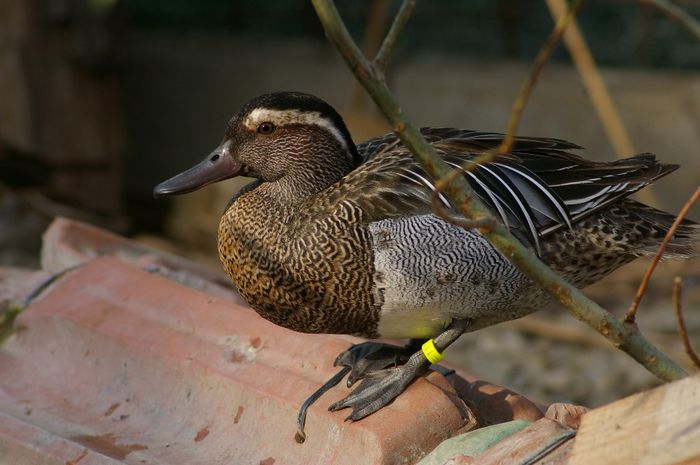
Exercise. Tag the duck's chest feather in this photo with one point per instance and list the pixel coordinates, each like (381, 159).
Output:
(298, 271)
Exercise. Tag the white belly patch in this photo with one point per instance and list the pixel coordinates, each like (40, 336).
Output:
(429, 272)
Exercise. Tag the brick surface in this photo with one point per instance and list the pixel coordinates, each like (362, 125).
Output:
(114, 364)
(22, 443)
(17, 283)
(67, 243)
(138, 369)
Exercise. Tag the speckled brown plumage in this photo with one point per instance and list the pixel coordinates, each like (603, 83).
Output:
(299, 272)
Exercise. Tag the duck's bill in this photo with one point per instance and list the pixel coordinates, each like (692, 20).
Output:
(216, 167)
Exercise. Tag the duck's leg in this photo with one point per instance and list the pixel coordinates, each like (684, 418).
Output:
(360, 360)
(380, 387)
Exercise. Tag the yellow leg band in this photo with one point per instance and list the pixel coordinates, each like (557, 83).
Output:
(431, 353)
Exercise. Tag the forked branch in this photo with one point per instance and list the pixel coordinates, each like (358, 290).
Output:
(624, 336)
(382, 58)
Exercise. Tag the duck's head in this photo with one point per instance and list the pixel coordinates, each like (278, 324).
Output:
(289, 138)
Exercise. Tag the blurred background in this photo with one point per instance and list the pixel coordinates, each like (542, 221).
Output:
(102, 99)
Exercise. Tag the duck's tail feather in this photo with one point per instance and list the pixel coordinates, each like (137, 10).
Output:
(685, 242)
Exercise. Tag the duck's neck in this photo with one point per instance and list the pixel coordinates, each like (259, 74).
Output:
(304, 183)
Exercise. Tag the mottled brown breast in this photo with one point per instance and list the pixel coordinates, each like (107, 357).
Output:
(305, 273)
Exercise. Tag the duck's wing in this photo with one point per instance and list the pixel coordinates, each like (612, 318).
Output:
(536, 189)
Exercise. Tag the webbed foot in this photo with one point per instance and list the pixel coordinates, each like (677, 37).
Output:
(381, 383)
(361, 360)
(378, 388)
(369, 357)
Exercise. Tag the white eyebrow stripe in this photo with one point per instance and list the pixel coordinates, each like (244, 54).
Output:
(285, 117)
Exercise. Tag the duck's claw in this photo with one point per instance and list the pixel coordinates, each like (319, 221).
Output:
(300, 436)
(369, 357)
(379, 388)
(360, 360)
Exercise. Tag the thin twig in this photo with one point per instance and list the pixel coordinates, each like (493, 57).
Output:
(594, 84)
(467, 166)
(523, 95)
(678, 14)
(518, 106)
(483, 224)
(377, 17)
(554, 330)
(380, 61)
(632, 311)
(535, 70)
(598, 92)
(682, 331)
(626, 337)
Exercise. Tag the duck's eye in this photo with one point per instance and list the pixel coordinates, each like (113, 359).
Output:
(266, 128)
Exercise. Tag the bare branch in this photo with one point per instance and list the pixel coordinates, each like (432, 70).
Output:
(523, 95)
(682, 331)
(535, 70)
(594, 84)
(678, 14)
(380, 61)
(632, 311)
(598, 93)
(377, 19)
(470, 165)
(483, 224)
(625, 336)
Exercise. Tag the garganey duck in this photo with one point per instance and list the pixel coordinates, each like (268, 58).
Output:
(333, 237)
